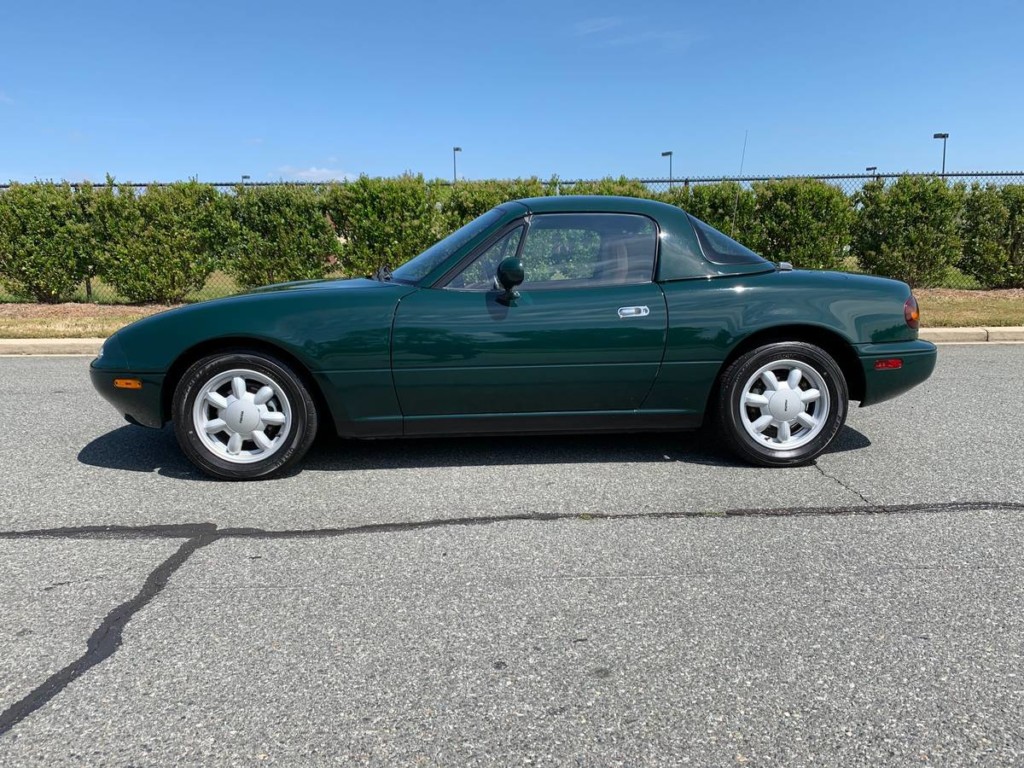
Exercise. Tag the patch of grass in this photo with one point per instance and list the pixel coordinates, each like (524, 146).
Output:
(68, 321)
(949, 308)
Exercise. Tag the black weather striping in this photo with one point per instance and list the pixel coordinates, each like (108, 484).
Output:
(106, 639)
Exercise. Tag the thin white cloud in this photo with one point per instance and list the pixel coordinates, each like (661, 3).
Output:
(255, 141)
(596, 25)
(616, 32)
(313, 173)
(669, 37)
(5, 99)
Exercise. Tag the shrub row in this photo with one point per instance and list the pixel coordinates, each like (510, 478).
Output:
(162, 243)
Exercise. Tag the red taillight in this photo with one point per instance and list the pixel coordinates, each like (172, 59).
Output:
(912, 313)
(889, 364)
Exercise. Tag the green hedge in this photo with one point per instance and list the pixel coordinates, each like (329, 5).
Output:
(992, 232)
(163, 243)
(462, 203)
(44, 241)
(803, 221)
(385, 221)
(279, 233)
(160, 245)
(908, 230)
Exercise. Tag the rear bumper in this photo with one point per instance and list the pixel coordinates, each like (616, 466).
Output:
(139, 406)
(918, 363)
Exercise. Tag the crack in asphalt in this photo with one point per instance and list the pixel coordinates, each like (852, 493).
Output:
(211, 531)
(105, 640)
(848, 487)
(107, 637)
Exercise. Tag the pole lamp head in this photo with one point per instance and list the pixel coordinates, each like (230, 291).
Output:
(940, 136)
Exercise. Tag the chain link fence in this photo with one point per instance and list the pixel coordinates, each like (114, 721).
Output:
(849, 183)
(676, 190)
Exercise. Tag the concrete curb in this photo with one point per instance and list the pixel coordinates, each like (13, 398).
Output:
(959, 335)
(92, 346)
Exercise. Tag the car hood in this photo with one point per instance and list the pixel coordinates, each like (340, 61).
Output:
(319, 285)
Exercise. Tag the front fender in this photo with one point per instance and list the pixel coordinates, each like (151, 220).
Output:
(342, 338)
(326, 330)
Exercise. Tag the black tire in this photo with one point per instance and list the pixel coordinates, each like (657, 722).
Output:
(287, 442)
(832, 409)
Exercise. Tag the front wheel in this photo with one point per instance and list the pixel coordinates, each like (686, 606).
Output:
(243, 415)
(781, 405)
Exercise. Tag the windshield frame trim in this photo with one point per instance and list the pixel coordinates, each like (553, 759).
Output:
(467, 260)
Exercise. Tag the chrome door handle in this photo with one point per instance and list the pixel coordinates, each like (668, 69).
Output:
(634, 311)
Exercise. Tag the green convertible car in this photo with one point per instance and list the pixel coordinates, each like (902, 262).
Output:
(547, 315)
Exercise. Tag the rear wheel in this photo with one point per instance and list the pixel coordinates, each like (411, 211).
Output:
(243, 415)
(782, 404)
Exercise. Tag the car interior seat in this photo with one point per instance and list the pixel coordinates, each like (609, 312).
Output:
(613, 267)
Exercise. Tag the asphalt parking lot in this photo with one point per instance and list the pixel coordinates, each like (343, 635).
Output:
(596, 601)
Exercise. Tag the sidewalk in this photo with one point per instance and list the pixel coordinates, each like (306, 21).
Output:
(92, 346)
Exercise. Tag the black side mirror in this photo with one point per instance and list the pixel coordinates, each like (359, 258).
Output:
(510, 274)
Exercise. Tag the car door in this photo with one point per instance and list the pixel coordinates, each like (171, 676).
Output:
(584, 337)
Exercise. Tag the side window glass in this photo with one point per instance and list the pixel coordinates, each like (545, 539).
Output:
(564, 250)
(479, 275)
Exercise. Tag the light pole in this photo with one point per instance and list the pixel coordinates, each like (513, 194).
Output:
(668, 154)
(942, 136)
(455, 167)
(872, 169)
(245, 178)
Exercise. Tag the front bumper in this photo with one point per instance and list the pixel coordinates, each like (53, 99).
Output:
(142, 406)
(918, 363)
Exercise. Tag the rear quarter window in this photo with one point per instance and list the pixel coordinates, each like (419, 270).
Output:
(722, 249)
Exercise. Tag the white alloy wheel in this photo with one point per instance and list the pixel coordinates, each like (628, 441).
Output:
(242, 416)
(784, 405)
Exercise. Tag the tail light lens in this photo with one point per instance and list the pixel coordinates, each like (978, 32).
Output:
(912, 313)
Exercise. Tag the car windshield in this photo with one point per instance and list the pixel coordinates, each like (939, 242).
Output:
(416, 269)
(722, 249)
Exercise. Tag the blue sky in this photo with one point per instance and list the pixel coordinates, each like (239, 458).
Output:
(316, 89)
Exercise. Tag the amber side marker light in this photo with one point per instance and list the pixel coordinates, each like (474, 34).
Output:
(128, 383)
(889, 364)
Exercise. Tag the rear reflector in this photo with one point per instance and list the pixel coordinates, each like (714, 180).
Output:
(128, 383)
(889, 364)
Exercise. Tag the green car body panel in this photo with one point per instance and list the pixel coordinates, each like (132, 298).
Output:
(391, 359)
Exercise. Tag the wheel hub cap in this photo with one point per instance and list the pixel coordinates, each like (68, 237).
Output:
(786, 405)
(242, 416)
